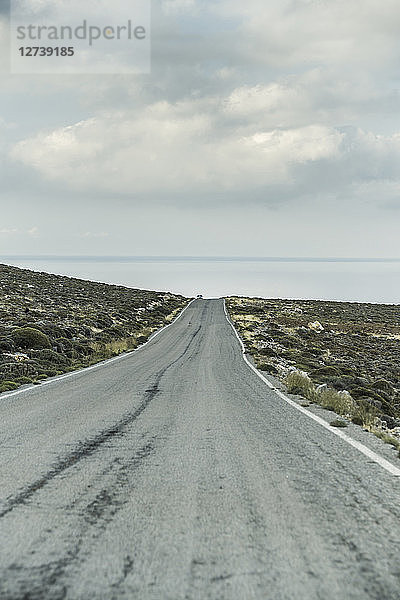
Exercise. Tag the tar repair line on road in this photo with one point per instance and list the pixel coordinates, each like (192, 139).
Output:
(385, 464)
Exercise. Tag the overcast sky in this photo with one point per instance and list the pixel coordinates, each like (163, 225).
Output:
(266, 127)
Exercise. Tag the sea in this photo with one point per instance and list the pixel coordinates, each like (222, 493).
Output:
(343, 279)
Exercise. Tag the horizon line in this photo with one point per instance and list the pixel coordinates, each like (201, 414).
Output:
(160, 258)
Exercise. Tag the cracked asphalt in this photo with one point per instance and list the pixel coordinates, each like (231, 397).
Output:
(175, 473)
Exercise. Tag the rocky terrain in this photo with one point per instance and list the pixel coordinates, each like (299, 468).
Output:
(344, 350)
(50, 324)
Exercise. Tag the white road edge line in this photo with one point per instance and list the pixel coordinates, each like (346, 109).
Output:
(97, 365)
(385, 464)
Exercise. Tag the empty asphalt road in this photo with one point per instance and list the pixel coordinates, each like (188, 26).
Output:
(175, 473)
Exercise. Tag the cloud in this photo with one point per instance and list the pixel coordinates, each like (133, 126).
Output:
(212, 145)
(172, 148)
(288, 104)
(287, 32)
(261, 99)
(315, 96)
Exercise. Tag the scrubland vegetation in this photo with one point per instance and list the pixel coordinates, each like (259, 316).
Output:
(50, 324)
(343, 356)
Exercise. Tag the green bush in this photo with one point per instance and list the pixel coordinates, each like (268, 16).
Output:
(338, 423)
(267, 367)
(49, 357)
(361, 392)
(29, 337)
(326, 370)
(21, 380)
(51, 372)
(267, 352)
(305, 365)
(388, 439)
(8, 386)
(6, 345)
(347, 371)
(365, 413)
(384, 386)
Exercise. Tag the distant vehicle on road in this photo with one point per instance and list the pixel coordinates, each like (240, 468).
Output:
(199, 295)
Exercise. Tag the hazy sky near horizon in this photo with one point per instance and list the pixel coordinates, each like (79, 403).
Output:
(268, 128)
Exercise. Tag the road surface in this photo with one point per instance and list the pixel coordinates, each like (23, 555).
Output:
(175, 473)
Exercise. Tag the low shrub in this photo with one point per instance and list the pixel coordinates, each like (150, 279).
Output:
(338, 423)
(8, 386)
(388, 439)
(6, 345)
(267, 352)
(51, 372)
(298, 382)
(383, 386)
(326, 370)
(47, 356)
(267, 367)
(362, 392)
(364, 413)
(347, 371)
(330, 399)
(22, 380)
(306, 365)
(342, 403)
(29, 337)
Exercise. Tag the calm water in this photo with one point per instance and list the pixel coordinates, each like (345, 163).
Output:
(345, 279)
